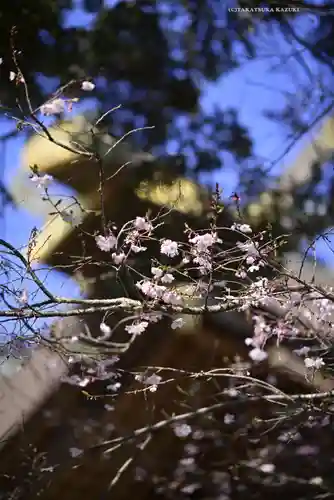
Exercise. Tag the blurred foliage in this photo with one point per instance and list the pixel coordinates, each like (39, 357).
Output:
(150, 57)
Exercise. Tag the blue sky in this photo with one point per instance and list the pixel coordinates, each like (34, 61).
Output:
(252, 89)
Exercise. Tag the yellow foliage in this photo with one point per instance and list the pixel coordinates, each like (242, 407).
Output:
(182, 195)
(49, 156)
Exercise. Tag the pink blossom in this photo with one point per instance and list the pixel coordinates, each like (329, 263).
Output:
(150, 289)
(142, 224)
(267, 468)
(106, 243)
(204, 241)
(73, 219)
(170, 248)
(157, 272)
(167, 278)
(171, 297)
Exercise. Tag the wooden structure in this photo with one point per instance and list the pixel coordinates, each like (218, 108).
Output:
(54, 454)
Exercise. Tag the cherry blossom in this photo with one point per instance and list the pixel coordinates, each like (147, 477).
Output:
(177, 323)
(87, 86)
(53, 107)
(169, 248)
(41, 181)
(267, 468)
(172, 297)
(157, 272)
(71, 218)
(142, 224)
(118, 258)
(106, 243)
(138, 249)
(258, 354)
(243, 228)
(137, 328)
(182, 430)
(167, 278)
(151, 289)
(204, 241)
(315, 363)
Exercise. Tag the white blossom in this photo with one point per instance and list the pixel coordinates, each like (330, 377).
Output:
(12, 76)
(157, 272)
(73, 219)
(317, 480)
(204, 241)
(138, 249)
(250, 248)
(53, 107)
(315, 363)
(153, 317)
(118, 258)
(106, 243)
(173, 298)
(167, 278)
(258, 354)
(170, 248)
(137, 328)
(114, 387)
(142, 224)
(243, 228)
(254, 268)
(84, 382)
(177, 323)
(151, 290)
(87, 86)
(241, 274)
(267, 468)
(182, 430)
(41, 181)
(204, 262)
